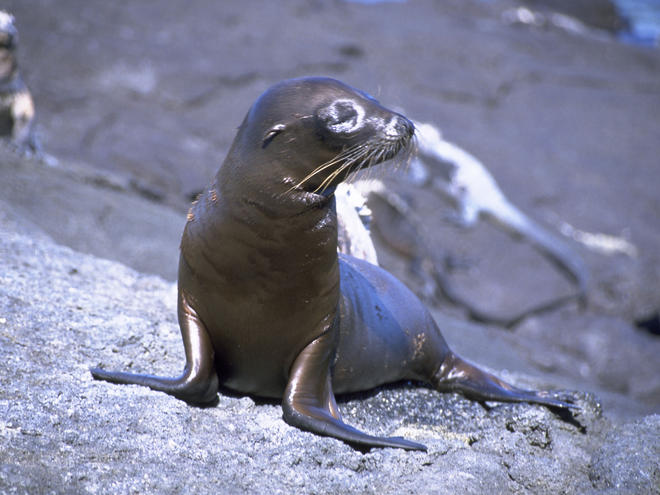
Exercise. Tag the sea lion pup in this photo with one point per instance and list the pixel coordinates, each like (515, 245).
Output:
(16, 105)
(266, 305)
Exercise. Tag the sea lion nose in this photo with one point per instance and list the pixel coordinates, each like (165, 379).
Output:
(403, 126)
(400, 127)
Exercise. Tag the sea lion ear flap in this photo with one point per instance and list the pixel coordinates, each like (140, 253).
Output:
(271, 133)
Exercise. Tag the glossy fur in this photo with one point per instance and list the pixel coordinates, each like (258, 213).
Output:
(266, 305)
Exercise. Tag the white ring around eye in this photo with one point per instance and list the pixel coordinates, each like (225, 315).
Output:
(348, 125)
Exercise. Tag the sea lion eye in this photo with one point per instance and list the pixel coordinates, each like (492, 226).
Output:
(271, 133)
(342, 116)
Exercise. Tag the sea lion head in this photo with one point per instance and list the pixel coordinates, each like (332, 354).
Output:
(314, 132)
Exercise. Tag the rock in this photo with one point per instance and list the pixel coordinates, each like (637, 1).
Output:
(601, 14)
(622, 465)
(91, 211)
(596, 352)
(62, 311)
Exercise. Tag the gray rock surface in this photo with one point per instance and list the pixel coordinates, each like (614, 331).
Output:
(91, 211)
(139, 102)
(622, 465)
(61, 432)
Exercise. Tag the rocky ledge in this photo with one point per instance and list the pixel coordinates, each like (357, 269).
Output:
(62, 311)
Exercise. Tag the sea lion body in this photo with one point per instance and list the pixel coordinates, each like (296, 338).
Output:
(267, 307)
(386, 334)
(260, 313)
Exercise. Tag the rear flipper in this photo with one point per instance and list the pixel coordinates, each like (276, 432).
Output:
(309, 402)
(458, 375)
(198, 384)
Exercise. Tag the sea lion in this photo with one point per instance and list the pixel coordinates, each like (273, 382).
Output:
(267, 307)
(16, 105)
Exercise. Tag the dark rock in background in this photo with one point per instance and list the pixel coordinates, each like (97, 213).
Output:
(91, 211)
(601, 14)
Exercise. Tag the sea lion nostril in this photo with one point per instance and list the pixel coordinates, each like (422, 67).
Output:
(403, 126)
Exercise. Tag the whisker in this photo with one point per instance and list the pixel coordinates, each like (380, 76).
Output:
(350, 161)
(356, 161)
(326, 182)
(343, 155)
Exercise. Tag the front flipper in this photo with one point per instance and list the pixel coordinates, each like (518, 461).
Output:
(198, 384)
(457, 375)
(309, 402)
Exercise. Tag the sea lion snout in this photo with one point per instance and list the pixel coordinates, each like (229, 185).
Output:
(399, 127)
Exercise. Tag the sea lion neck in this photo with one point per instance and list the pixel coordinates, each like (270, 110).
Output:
(281, 220)
(268, 240)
